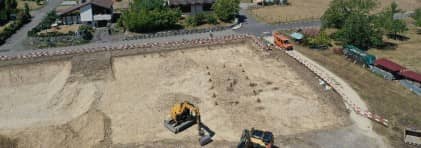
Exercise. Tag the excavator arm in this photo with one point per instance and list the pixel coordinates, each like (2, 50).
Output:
(184, 115)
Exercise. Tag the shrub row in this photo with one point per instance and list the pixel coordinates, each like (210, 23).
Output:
(202, 18)
(177, 32)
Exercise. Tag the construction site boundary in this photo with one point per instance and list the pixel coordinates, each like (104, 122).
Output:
(127, 49)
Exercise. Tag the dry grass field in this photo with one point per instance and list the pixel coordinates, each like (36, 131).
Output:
(62, 29)
(387, 98)
(122, 4)
(406, 53)
(309, 9)
(32, 4)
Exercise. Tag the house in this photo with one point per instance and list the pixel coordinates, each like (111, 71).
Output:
(97, 13)
(192, 6)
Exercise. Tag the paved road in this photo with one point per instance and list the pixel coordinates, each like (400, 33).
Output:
(15, 42)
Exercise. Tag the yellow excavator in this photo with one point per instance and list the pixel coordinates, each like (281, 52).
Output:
(256, 139)
(184, 115)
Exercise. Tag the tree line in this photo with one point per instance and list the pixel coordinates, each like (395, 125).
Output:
(359, 26)
(155, 15)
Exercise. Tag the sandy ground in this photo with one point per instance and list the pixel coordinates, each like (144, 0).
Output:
(45, 105)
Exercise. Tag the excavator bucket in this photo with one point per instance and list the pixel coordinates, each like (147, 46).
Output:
(205, 140)
(170, 125)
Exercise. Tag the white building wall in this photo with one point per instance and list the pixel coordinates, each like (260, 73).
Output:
(86, 14)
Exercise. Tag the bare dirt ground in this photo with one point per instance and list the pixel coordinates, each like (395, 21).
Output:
(64, 104)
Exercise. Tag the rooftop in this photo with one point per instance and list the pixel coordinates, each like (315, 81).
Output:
(389, 65)
(100, 3)
(411, 75)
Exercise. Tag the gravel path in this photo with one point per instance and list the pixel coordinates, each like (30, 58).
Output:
(363, 123)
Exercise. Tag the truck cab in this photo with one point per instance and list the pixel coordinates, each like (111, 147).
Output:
(282, 41)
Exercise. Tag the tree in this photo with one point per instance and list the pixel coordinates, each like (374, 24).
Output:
(11, 4)
(398, 26)
(86, 32)
(149, 15)
(387, 23)
(340, 10)
(226, 10)
(26, 13)
(360, 32)
(417, 17)
(394, 7)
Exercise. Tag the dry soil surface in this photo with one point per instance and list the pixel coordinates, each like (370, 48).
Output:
(235, 86)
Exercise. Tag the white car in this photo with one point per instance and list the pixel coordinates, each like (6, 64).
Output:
(237, 26)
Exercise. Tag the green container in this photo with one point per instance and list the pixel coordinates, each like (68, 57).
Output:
(359, 55)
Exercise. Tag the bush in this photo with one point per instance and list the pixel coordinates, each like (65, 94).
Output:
(86, 32)
(319, 40)
(11, 29)
(201, 18)
(191, 21)
(211, 19)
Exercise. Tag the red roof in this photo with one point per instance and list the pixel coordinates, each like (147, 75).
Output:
(388, 65)
(408, 74)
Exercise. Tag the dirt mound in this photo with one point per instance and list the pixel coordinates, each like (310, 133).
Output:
(91, 129)
(39, 94)
(6, 142)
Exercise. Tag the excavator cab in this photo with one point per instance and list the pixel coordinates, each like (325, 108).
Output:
(184, 115)
(282, 41)
(256, 139)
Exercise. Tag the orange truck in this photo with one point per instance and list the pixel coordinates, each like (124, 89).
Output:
(282, 41)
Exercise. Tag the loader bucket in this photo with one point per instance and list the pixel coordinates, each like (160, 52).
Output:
(205, 140)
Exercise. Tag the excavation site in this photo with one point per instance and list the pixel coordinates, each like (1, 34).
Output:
(103, 99)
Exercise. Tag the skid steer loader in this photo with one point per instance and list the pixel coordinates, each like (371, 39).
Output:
(184, 115)
(256, 139)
